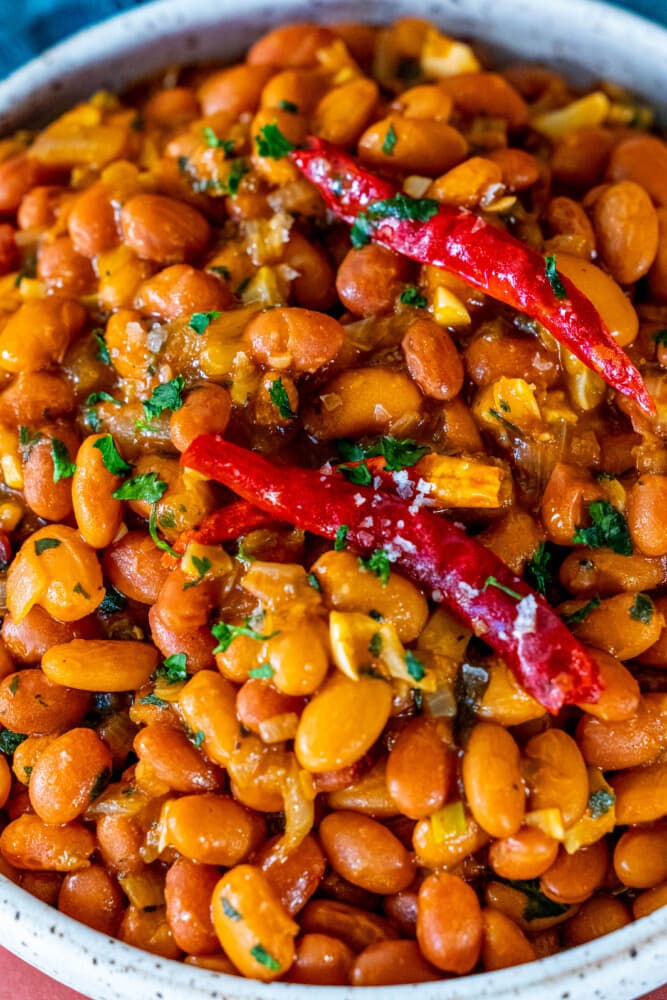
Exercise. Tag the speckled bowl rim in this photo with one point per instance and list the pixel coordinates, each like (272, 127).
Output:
(584, 38)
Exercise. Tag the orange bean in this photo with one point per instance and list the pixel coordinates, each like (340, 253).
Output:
(490, 356)
(432, 359)
(574, 877)
(646, 502)
(211, 828)
(451, 851)
(615, 309)
(133, 565)
(41, 206)
(170, 108)
(520, 169)
(649, 901)
(179, 619)
(321, 960)
(476, 181)
(343, 112)
(356, 927)
(30, 638)
(42, 885)
(296, 875)
(628, 743)
(640, 856)
(92, 897)
(251, 924)
(525, 855)
(49, 499)
(62, 269)
(359, 790)
(98, 515)
(302, 87)
(188, 890)
(571, 227)
(485, 94)
(149, 930)
(603, 572)
(17, 175)
(100, 664)
(208, 704)
(370, 279)
(626, 227)
(31, 703)
(581, 156)
(365, 401)
(420, 769)
(492, 780)
(424, 101)
(624, 625)
(643, 159)
(72, 771)
(389, 963)
(120, 839)
(257, 700)
(39, 333)
(92, 221)
(449, 923)
(290, 45)
(422, 146)
(163, 229)
(5, 782)
(505, 944)
(313, 287)
(641, 794)
(294, 339)
(181, 290)
(565, 499)
(366, 853)
(556, 774)
(35, 396)
(599, 915)
(28, 842)
(176, 761)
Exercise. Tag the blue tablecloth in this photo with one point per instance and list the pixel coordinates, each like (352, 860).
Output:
(28, 26)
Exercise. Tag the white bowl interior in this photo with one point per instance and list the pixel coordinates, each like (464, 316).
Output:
(586, 40)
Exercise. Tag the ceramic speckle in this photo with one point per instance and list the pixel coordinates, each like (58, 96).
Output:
(585, 39)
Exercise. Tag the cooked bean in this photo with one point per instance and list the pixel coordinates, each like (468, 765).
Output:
(640, 856)
(628, 743)
(251, 924)
(181, 290)
(100, 664)
(556, 774)
(422, 146)
(321, 960)
(163, 229)
(574, 877)
(39, 333)
(72, 771)
(641, 794)
(646, 501)
(98, 515)
(525, 855)
(649, 901)
(625, 625)
(149, 930)
(295, 876)
(93, 897)
(28, 842)
(356, 927)
(492, 780)
(504, 944)
(188, 890)
(344, 112)
(389, 963)
(176, 761)
(366, 853)
(642, 159)
(620, 696)
(449, 923)
(29, 639)
(626, 227)
(450, 851)
(599, 915)
(370, 279)
(420, 770)
(210, 828)
(485, 94)
(208, 704)
(603, 572)
(294, 339)
(32, 703)
(615, 309)
(432, 359)
(134, 566)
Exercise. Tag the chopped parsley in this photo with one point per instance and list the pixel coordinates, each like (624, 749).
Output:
(414, 665)
(507, 424)
(202, 565)
(160, 542)
(359, 474)
(582, 614)
(554, 277)
(261, 955)
(200, 321)
(229, 910)
(537, 570)
(642, 609)
(660, 338)
(29, 270)
(225, 634)
(102, 397)
(375, 615)
(314, 582)
(272, 143)
(199, 738)
(399, 206)
(174, 669)
(27, 439)
(390, 140)
(100, 783)
(9, 741)
(102, 349)
(378, 564)
(221, 270)
(264, 672)
(289, 106)
(113, 601)
(411, 296)
(491, 581)
(44, 544)
(340, 541)
(600, 802)
(79, 589)
(280, 399)
(152, 699)
(375, 645)
(238, 170)
(113, 462)
(537, 904)
(14, 684)
(608, 530)
(398, 454)
(167, 396)
(63, 468)
(212, 140)
(148, 487)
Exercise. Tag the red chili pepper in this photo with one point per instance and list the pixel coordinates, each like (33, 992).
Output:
(456, 570)
(485, 256)
(225, 525)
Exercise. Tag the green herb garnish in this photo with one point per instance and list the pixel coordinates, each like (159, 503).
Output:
(212, 140)
(314, 582)
(9, 741)
(113, 601)
(272, 143)
(202, 565)
(375, 645)
(289, 106)
(537, 570)
(148, 487)
(554, 277)
(378, 564)
(111, 457)
(225, 634)
(100, 783)
(415, 667)
(79, 589)
(491, 581)
(200, 321)
(102, 349)
(600, 802)
(280, 399)
(261, 955)
(582, 613)
(390, 140)
(44, 544)
(608, 530)
(160, 542)
(167, 396)
(264, 672)
(340, 541)
(359, 474)
(63, 468)
(174, 669)
(152, 699)
(399, 206)
(537, 904)
(411, 296)
(229, 910)
(398, 454)
(642, 609)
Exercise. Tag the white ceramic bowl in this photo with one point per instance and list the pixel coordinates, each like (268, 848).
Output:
(586, 40)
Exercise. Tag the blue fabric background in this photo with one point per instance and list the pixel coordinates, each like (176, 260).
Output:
(36, 24)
